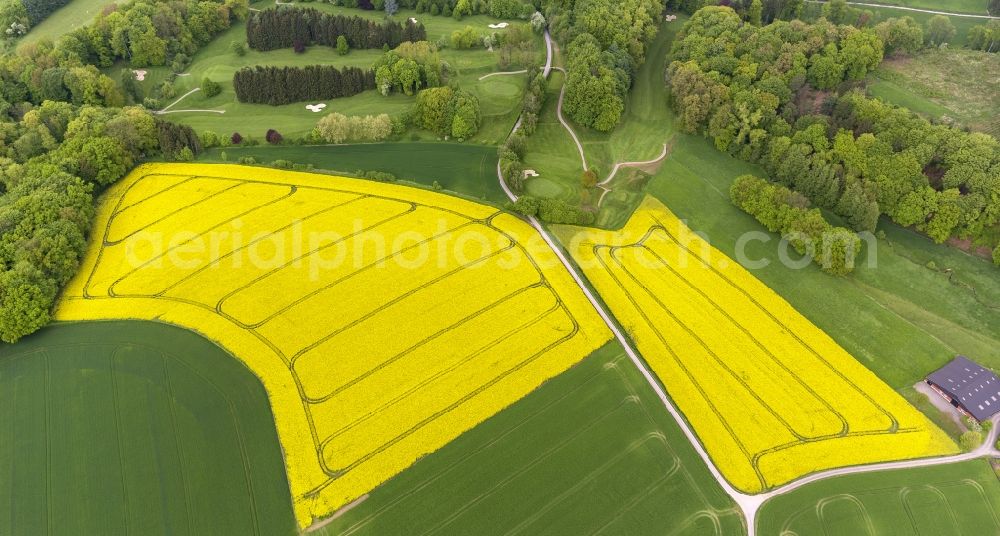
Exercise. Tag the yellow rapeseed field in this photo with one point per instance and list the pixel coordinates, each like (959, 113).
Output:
(383, 320)
(770, 395)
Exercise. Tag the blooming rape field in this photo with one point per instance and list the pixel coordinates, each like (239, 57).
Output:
(383, 320)
(770, 395)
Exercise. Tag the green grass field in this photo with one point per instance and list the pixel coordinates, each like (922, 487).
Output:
(976, 7)
(500, 96)
(905, 319)
(463, 168)
(591, 451)
(961, 84)
(945, 500)
(66, 19)
(135, 427)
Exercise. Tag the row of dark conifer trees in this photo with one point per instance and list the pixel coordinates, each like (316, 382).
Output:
(284, 27)
(39, 10)
(283, 85)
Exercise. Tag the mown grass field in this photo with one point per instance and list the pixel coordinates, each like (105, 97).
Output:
(906, 319)
(976, 7)
(963, 85)
(465, 168)
(383, 320)
(770, 395)
(945, 500)
(500, 96)
(135, 428)
(591, 451)
(73, 15)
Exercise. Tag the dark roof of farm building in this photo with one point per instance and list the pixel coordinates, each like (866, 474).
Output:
(975, 388)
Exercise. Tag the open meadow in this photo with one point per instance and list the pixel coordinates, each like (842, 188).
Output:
(478, 313)
(769, 394)
(963, 85)
(158, 429)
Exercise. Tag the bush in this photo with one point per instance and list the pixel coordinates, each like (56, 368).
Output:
(970, 441)
(465, 38)
(996, 255)
(167, 90)
(342, 47)
(210, 87)
(185, 155)
(238, 47)
(380, 176)
(273, 136)
(181, 61)
(236, 138)
(209, 139)
(338, 128)
(283, 164)
(551, 210)
(247, 160)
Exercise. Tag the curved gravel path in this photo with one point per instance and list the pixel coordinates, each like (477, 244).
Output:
(502, 73)
(614, 171)
(566, 125)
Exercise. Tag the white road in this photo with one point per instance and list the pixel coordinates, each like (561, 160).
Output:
(748, 504)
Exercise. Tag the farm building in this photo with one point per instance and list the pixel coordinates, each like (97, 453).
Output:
(971, 388)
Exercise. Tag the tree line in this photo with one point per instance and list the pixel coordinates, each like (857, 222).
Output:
(786, 96)
(781, 210)
(66, 133)
(285, 27)
(52, 159)
(284, 85)
(511, 153)
(501, 9)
